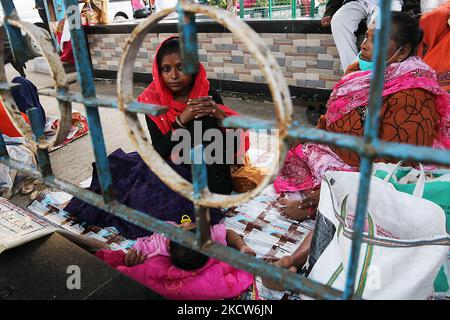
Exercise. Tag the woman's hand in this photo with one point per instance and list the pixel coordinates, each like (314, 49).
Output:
(201, 107)
(133, 258)
(188, 114)
(248, 251)
(242, 185)
(286, 262)
(326, 21)
(301, 209)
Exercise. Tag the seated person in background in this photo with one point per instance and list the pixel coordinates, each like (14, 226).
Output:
(189, 99)
(435, 47)
(415, 110)
(344, 16)
(177, 272)
(26, 97)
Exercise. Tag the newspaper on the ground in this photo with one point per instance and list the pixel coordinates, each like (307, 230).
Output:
(268, 233)
(50, 206)
(19, 226)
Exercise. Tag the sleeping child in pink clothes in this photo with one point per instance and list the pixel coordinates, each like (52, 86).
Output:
(177, 272)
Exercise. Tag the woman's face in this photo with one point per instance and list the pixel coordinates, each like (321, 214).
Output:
(172, 73)
(367, 49)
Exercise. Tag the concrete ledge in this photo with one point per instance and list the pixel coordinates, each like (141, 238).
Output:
(298, 25)
(257, 89)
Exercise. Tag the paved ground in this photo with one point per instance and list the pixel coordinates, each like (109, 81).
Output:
(73, 162)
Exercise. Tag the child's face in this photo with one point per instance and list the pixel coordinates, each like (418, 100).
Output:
(171, 72)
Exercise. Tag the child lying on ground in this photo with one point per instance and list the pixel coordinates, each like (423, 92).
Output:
(177, 272)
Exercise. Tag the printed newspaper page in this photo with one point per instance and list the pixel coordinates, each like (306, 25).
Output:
(18, 226)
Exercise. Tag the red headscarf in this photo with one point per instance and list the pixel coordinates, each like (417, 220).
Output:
(158, 93)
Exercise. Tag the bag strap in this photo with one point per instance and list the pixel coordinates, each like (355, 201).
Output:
(420, 184)
(391, 173)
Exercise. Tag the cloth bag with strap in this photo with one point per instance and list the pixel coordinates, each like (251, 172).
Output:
(436, 188)
(404, 243)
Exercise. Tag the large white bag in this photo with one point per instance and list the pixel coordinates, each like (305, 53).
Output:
(404, 241)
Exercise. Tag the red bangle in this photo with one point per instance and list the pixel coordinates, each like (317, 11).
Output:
(311, 213)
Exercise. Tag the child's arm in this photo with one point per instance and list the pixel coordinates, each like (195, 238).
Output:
(134, 257)
(234, 240)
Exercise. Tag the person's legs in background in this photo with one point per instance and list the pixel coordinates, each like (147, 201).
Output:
(343, 26)
(26, 97)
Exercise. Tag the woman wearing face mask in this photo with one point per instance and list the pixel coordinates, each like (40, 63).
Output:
(415, 110)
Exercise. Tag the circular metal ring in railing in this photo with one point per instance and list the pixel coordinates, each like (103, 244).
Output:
(61, 87)
(270, 68)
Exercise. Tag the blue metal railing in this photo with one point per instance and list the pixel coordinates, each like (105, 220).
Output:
(277, 9)
(368, 147)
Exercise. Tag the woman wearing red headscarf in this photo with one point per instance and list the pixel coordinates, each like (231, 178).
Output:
(189, 99)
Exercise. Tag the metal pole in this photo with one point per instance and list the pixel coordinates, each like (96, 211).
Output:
(270, 9)
(312, 8)
(86, 79)
(3, 150)
(42, 157)
(14, 34)
(241, 9)
(382, 36)
(294, 9)
(187, 29)
(200, 183)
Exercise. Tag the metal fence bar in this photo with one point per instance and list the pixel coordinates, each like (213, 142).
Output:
(294, 9)
(98, 102)
(51, 17)
(43, 159)
(200, 183)
(14, 34)
(270, 9)
(382, 36)
(86, 78)
(378, 148)
(312, 11)
(241, 9)
(3, 150)
(369, 147)
(188, 39)
(187, 29)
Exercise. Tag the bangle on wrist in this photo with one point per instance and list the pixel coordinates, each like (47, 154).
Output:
(233, 244)
(178, 121)
(311, 213)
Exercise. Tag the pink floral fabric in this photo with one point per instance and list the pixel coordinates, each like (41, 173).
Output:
(306, 164)
(352, 91)
(157, 244)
